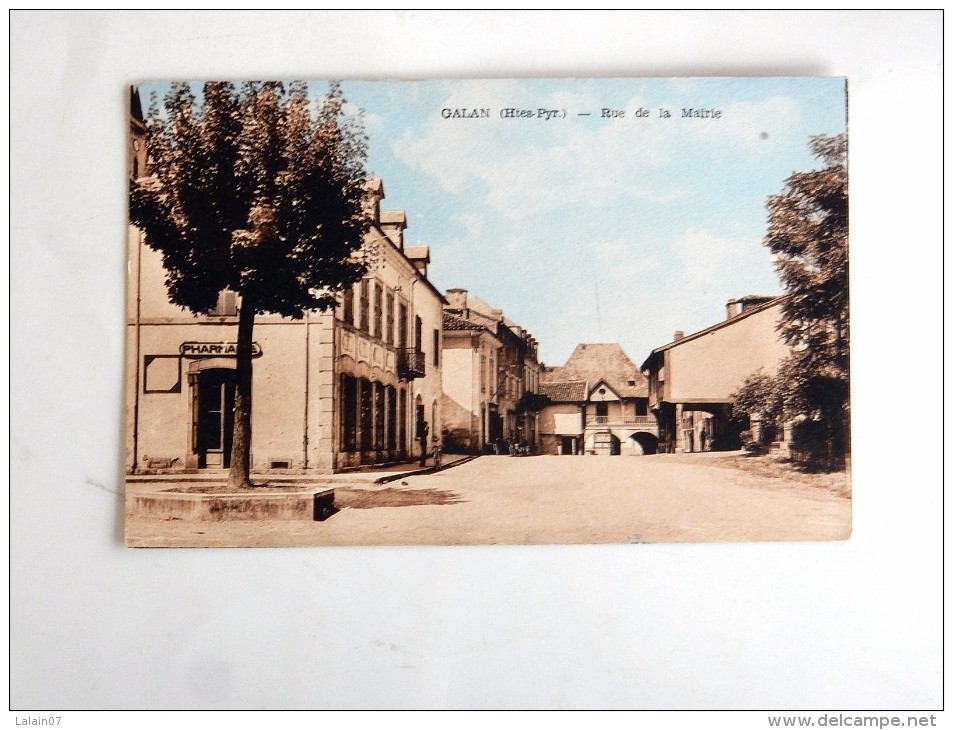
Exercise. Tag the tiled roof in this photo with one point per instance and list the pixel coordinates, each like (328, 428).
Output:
(607, 362)
(564, 392)
(551, 374)
(757, 298)
(478, 305)
(453, 322)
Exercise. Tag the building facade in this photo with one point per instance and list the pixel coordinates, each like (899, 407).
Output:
(491, 365)
(337, 389)
(597, 403)
(692, 378)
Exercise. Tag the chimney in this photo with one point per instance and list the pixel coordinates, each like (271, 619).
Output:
(393, 223)
(732, 307)
(373, 193)
(457, 298)
(678, 335)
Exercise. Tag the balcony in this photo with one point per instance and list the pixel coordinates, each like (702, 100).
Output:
(411, 363)
(644, 423)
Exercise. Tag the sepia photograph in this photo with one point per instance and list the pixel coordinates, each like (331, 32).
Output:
(511, 311)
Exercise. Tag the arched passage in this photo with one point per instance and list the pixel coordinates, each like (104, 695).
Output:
(646, 441)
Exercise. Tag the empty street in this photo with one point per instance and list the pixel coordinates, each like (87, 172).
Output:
(710, 497)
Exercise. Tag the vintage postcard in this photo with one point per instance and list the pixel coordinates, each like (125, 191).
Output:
(477, 312)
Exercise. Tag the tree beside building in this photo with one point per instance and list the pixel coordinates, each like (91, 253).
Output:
(255, 194)
(807, 233)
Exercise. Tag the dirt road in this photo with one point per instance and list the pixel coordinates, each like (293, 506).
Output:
(550, 499)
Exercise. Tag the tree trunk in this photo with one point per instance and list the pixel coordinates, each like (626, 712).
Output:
(239, 474)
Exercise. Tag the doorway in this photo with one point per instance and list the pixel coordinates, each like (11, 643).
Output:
(606, 444)
(214, 417)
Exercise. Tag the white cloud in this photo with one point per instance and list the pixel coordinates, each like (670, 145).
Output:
(636, 227)
(623, 262)
(473, 223)
(374, 124)
(529, 166)
(758, 125)
(706, 258)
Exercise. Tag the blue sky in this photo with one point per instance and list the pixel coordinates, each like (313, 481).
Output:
(592, 229)
(587, 229)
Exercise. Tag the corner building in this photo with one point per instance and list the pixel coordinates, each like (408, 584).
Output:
(692, 379)
(334, 390)
(491, 372)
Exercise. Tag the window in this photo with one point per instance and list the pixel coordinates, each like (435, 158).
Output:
(391, 418)
(366, 413)
(602, 409)
(378, 311)
(402, 326)
(227, 304)
(349, 408)
(641, 407)
(347, 306)
(378, 416)
(389, 329)
(365, 304)
(436, 348)
(402, 420)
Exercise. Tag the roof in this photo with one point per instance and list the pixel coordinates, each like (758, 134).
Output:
(746, 312)
(602, 361)
(452, 323)
(380, 236)
(757, 298)
(564, 392)
(479, 305)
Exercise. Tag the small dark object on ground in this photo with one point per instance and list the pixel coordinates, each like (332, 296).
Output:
(324, 505)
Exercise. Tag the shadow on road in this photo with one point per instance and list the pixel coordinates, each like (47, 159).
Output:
(391, 497)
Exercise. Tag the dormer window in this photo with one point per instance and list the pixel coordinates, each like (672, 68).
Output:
(227, 304)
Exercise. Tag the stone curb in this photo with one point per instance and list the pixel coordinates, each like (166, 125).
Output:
(425, 470)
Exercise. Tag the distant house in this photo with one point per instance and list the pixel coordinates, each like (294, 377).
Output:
(597, 404)
(692, 378)
(469, 405)
(490, 365)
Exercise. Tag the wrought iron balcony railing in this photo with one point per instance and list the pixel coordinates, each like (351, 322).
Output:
(649, 421)
(411, 363)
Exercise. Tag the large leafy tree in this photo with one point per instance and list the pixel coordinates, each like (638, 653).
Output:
(807, 233)
(760, 395)
(258, 189)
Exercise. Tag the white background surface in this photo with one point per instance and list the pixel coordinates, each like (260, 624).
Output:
(854, 625)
